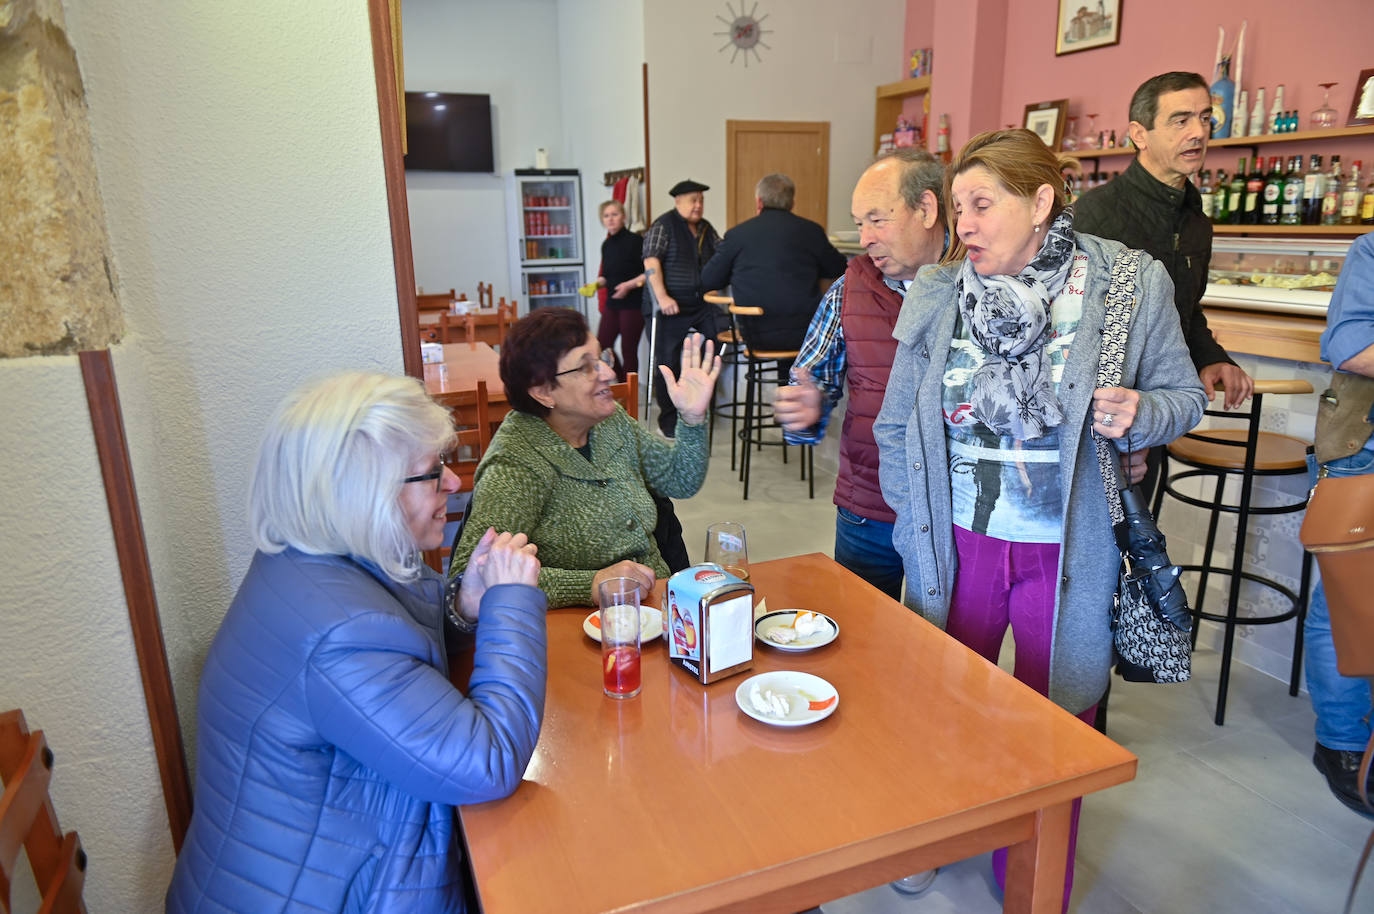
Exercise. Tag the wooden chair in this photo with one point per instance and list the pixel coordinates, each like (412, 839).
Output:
(626, 393)
(471, 443)
(484, 295)
(435, 301)
(28, 820)
(506, 315)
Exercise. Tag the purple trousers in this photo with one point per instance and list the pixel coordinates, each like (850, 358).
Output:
(999, 584)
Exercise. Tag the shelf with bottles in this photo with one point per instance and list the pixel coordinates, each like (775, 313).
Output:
(1221, 228)
(888, 101)
(1297, 136)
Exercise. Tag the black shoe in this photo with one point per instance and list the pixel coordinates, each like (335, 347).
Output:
(1342, 770)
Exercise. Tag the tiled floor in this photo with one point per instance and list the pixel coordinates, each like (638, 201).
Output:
(1218, 819)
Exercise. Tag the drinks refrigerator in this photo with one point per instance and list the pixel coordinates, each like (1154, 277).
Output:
(547, 244)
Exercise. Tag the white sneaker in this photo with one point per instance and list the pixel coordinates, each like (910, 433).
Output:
(916, 883)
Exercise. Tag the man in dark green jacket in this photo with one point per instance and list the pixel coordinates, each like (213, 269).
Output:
(1155, 207)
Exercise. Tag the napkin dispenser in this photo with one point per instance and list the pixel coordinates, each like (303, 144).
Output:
(710, 616)
(431, 353)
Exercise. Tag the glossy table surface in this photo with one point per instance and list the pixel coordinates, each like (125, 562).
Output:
(463, 366)
(676, 801)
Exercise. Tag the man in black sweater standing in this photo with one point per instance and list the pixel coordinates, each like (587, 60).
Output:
(1154, 206)
(776, 261)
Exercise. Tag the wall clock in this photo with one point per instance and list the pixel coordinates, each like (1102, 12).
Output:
(743, 32)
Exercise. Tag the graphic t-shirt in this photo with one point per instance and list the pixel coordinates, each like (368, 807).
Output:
(1004, 487)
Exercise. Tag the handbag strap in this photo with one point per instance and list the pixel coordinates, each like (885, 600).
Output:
(1116, 327)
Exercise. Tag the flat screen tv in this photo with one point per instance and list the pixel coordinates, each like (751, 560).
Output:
(448, 131)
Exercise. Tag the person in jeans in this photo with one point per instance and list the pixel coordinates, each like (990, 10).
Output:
(896, 206)
(1344, 447)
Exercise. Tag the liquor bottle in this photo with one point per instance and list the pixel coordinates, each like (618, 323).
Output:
(1204, 189)
(1273, 193)
(1221, 199)
(1235, 196)
(1111, 140)
(1254, 191)
(1257, 115)
(1276, 112)
(942, 140)
(1350, 197)
(1313, 188)
(1331, 199)
(1223, 98)
(1367, 204)
(1290, 211)
(1240, 120)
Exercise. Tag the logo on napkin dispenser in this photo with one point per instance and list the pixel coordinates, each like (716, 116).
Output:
(710, 615)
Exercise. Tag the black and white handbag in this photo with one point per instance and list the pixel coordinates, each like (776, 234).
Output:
(1151, 622)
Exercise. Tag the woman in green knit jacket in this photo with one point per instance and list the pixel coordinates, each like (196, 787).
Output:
(572, 470)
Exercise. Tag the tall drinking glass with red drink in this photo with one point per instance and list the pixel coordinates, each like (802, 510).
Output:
(620, 657)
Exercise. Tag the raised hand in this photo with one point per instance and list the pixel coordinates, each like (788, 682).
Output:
(797, 407)
(692, 389)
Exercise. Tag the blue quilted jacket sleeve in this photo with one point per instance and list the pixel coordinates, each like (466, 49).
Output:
(371, 692)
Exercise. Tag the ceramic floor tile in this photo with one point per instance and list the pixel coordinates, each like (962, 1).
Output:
(1184, 837)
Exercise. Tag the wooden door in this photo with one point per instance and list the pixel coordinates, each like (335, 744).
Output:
(798, 149)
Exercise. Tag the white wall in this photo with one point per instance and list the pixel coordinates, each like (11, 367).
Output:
(511, 51)
(823, 62)
(247, 216)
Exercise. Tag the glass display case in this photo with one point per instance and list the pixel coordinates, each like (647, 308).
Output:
(1281, 275)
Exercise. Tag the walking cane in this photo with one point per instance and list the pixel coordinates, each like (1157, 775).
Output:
(653, 354)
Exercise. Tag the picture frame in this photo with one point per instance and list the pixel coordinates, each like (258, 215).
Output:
(1046, 120)
(1086, 24)
(1362, 102)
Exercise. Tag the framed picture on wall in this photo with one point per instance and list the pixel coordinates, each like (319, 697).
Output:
(1046, 120)
(1362, 105)
(1085, 24)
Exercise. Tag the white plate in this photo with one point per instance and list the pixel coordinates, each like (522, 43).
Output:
(783, 619)
(650, 624)
(802, 691)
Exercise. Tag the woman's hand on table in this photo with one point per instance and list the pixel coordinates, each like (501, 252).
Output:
(692, 389)
(625, 569)
(507, 558)
(1113, 410)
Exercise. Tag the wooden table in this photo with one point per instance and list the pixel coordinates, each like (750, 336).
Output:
(486, 324)
(933, 755)
(462, 368)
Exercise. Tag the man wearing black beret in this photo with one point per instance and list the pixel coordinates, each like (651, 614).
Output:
(676, 247)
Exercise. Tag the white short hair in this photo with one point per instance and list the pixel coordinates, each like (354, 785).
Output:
(329, 472)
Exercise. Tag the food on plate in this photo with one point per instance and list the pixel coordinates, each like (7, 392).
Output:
(768, 702)
(808, 623)
(782, 634)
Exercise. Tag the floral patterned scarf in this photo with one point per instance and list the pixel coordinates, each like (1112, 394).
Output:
(1008, 316)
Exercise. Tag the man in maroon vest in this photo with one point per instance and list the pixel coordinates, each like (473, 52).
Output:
(896, 206)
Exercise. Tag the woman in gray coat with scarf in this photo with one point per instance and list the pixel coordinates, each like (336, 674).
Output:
(984, 436)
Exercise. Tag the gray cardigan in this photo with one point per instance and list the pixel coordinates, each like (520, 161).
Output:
(914, 465)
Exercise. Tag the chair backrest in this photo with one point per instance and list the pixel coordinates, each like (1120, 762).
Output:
(472, 417)
(434, 301)
(626, 393)
(28, 820)
(484, 295)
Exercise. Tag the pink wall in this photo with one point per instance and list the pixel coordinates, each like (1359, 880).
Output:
(1298, 46)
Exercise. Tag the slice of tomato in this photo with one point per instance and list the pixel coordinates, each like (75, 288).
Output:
(821, 705)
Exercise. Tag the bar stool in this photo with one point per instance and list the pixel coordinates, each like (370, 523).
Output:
(762, 366)
(733, 356)
(1246, 452)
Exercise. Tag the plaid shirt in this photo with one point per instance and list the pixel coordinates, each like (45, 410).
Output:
(658, 237)
(823, 353)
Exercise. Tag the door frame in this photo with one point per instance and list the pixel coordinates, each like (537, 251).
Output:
(384, 18)
(732, 128)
